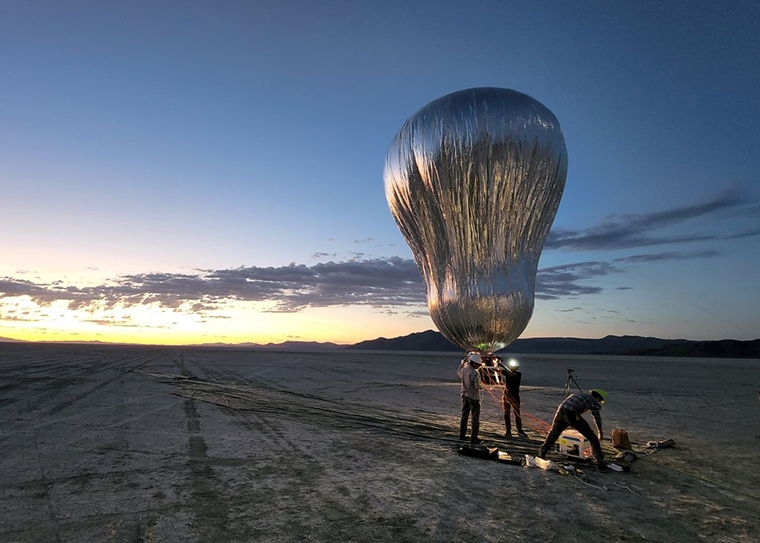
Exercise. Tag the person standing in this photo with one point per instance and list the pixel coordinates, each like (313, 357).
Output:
(570, 413)
(471, 387)
(511, 397)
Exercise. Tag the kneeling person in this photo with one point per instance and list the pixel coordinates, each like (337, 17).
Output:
(569, 414)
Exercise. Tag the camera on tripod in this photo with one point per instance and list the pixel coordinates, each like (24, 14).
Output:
(566, 391)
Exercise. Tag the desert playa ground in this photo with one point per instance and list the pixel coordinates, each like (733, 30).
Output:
(151, 444)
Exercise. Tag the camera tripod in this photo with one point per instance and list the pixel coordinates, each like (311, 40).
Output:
(569, 384)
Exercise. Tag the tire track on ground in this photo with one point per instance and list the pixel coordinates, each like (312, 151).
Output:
(209, 505)
(210, 509)
(101, 384)
(306, 473)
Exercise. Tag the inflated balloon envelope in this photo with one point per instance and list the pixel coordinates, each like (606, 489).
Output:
(474, 180)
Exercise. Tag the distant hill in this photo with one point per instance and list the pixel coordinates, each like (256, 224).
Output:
(434, 341)
(428, 340)
(285, 346)
(302, 345)
(11, 340)
(611, 345)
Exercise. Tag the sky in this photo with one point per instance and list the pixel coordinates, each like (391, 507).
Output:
(197, 172)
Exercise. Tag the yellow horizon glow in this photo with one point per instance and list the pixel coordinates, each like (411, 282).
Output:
(235, 322)
(231, 322)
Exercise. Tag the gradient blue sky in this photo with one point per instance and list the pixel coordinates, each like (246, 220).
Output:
(162, 164)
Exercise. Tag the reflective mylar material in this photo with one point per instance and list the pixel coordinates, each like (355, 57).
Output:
(474, 180)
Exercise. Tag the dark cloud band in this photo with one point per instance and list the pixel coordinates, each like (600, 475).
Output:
(380, 283)
(631, 231)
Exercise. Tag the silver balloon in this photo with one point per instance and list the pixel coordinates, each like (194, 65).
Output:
(474, 180)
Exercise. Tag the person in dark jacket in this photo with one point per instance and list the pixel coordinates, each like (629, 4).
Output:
(570, 414)
(511, 397)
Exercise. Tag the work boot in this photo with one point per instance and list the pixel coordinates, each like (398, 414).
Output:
(601, 466)
(476, 441)
(508, 433)
(462, 438)
(521, 433)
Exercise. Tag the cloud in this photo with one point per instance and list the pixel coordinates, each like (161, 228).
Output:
(377, 282)
(124, 322)
(629, 231)
(18, 319)
(568, 280)
(569, 310)
(741, 235)
(393, 281)
(382, 283)
(112, 322)
(420, 313)
(565, 280)
(660, 257)
(200, 307)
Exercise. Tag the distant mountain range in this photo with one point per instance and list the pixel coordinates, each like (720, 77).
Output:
(434, 341)
(287, 345)
(609, 345)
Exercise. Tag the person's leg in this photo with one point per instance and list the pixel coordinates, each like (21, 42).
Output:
(585, 430)
(507, 413)
(475, 408)
(559, 424)
(518, 417)
(465, 416)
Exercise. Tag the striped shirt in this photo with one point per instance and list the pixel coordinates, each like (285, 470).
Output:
(580, 403)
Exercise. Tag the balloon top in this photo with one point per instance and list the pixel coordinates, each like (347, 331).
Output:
(495, 112)
(474, 179)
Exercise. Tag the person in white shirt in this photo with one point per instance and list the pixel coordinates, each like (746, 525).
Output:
(471, 387)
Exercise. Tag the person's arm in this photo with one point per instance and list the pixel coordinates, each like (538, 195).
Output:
(597, 414)
(478, 384)
(462, 365)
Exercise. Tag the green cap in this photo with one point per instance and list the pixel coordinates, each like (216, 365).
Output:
(601, 393)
